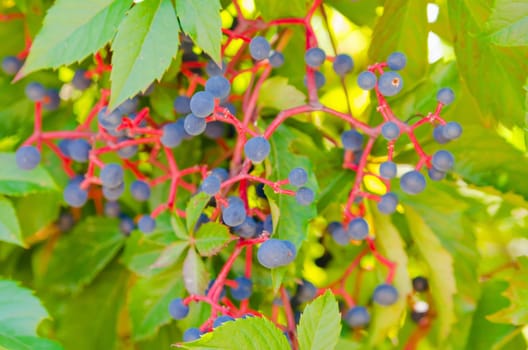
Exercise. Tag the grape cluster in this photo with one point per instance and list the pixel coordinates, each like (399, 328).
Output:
(131, 135)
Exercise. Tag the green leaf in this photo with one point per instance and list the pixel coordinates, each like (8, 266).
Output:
(504, 166)
(442, 274)
(31, 220)
(9, 227)
(18, 182)
(10, 342)
(148, 302)
(95, 312)
(510, 67)
(194, 208)
(179, 228)
(72, 30)
(20, 310)
(200, 19)
(390, 245)
(320, 324)
(146, 42)
(517, 312)
(252, 333)
(278, 94)
(195, 276)
(293, 222)
(487, 334)
(403, 27)
(93, 243)
(359, 12)
(147, 255)
(508, 23)
(273, 9)
(211, 237)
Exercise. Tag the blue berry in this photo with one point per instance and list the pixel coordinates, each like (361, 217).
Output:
(126, 225)
(390, 131)
(276, 252)
(412, 182)
(257, 149)
(111, 175)
(173, 134)
(11, 65)
(343, 64)
(221, 173)
(194, 125)
(243, 289)
(352, 140)
(276, 59)
(191, 334)
(51, 100)
(320, 79)
(235, 213)
(314, 57)
(79, 150)
(445, 96)
(177, 309)
(230, 107)
(304, 196)
(110, 120)
(247, 229)
(451, 131)
(357, 317)
(435, 174)
(385, 294)
(202, 104)
(146, 224)
(74, 195)
(438, 135)
(215, 130)
(35, 91)
(63, 146)
(27, 157)
(80, 81)
(297, 177)
(338, 233)
(182, 104)
(396, 61)
(305, 292)
(443, 160)
(126, 152)
(211, 185)
(113, 193)
(388, 170)
(268, 224)
(390, 83)
(212, 69)
(218, 86)
(367, 80)
(259, 48)
(388, 203)
(140, 190)
(221, 320)
(358, 229)
(112, 209)
(202, 219)
(130, 105)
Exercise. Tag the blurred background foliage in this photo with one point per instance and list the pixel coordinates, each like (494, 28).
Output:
(468, 234)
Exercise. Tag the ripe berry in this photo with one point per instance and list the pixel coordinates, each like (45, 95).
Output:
(412, 182)
(445, 96)
(390, 83)
(385, 294)
(177, 309)
(276, 252)
(420, 284)
(396, 61)
(358, 229)
(27, 157)
(243, 289)
(357, 317)
(146, 224)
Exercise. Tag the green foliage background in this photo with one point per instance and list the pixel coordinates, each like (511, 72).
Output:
(467, 234)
